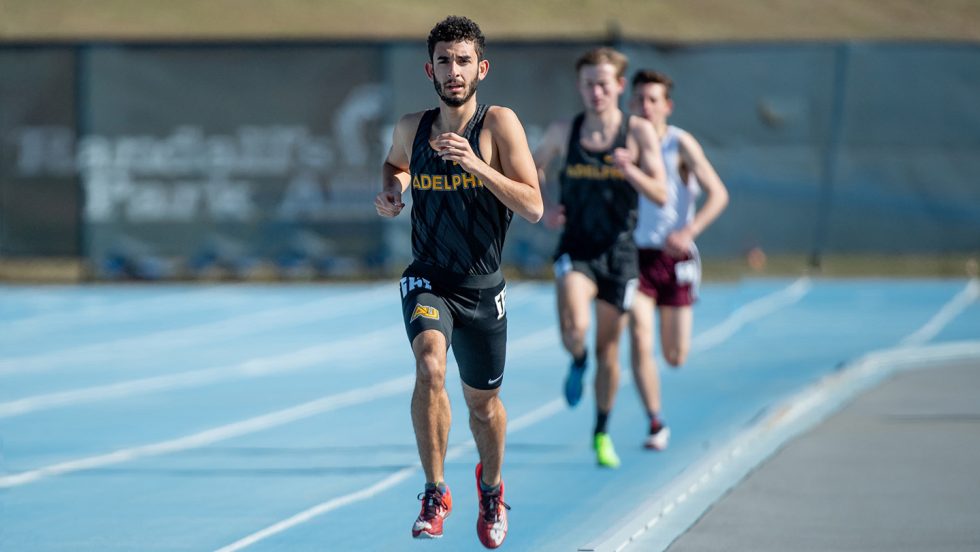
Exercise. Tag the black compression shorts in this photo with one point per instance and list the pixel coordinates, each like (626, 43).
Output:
(474, 321)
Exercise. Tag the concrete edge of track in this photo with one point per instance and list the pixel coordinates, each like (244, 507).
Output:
(667, 515)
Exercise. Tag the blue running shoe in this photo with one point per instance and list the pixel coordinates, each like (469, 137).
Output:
(573, 382)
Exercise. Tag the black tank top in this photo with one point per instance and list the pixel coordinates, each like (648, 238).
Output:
(458, 225)
(600, 204)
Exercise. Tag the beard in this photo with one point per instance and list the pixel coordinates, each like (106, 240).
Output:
(455, 101)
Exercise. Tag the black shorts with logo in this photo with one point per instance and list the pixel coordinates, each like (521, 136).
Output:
(615, 272)
(470, 311)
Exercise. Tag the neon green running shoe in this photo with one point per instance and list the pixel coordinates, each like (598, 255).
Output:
(605, 452)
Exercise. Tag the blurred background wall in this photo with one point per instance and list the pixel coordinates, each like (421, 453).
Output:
(261, 157)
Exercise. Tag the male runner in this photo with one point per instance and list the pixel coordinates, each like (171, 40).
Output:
(470, 169)
(609, 158)
(670, 268)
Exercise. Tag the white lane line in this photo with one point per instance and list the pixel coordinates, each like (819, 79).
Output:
(541, 413)
(253, 368)
(721, 471)
(214, 435)
(325, 507)
(251, 425)
(751, 311)
(745, 314)
(742, 316)
(324, 309)
(84, 308)
(950, 310)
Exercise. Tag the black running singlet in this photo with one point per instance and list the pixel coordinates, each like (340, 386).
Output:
(458, 225)
(600, 204)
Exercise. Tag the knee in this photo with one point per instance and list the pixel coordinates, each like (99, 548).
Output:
(486, 411)
(637, 332)
(675, 357)
(641, 341)
(430, 369)
(607, 353)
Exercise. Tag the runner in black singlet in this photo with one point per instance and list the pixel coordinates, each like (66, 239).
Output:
(602, 203)
(608, 159)
(469, 169)
(458, 229)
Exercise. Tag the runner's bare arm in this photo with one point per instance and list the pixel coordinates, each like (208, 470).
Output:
(516, 183)
(644, 170)
(552, 147)
(395, 177)
(716, 194)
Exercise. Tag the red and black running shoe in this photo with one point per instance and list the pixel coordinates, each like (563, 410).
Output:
(436, 506)
(491, 525)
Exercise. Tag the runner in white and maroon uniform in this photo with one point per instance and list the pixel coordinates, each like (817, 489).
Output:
(670, 268)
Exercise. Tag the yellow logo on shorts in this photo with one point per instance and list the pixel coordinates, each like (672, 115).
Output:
(425, 312)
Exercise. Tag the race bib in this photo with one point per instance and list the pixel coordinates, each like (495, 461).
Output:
(562, 265)
(687, 272)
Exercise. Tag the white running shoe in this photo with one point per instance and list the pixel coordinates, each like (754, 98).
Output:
(658, 440)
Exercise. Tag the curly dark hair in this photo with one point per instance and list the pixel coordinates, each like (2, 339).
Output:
(455, 28)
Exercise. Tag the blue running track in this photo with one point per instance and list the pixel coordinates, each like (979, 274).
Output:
(277, 417)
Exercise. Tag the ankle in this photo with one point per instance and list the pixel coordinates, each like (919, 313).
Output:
(441, 485)
(656, 423)
(602, 419)
(487, 488)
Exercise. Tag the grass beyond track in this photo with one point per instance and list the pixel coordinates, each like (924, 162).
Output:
(691, 20)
